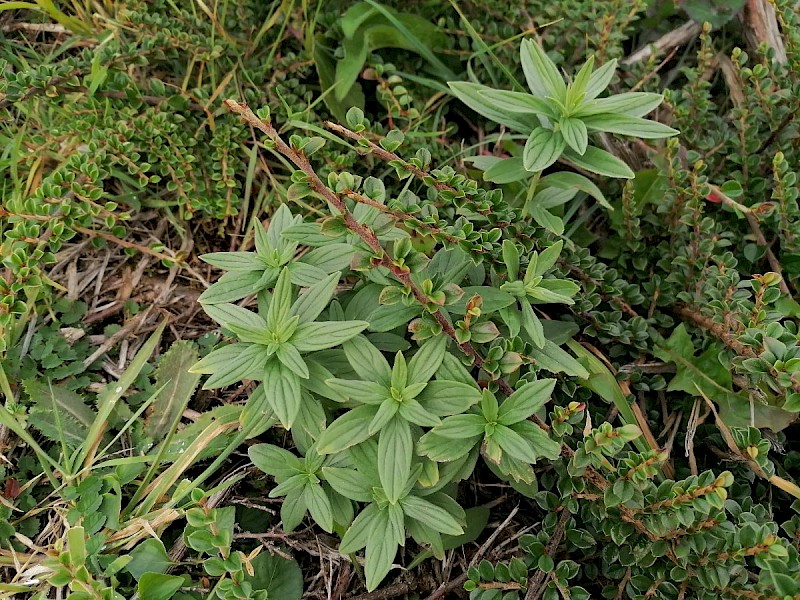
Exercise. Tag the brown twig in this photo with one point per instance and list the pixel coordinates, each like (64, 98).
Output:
(536, 581)
(386, 155)
(402, 216)
(448, 587)
(673, 39)
(760, 25)
(693, 314)
(755, 227)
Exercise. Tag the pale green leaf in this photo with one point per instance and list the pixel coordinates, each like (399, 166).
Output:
(442, 449)
(414, 412)
(366, 360)
(381, 550)
(357, 535)
(445, 397)
(506, 170)
(427, 360)
(541, 443)
(236, 285)
(519, 102)
(232, 363)
(309, 337)
(281, 300)
(576, 91)
(461, 426)
(525, 401)
(575, 134)
(542, 149)
(314, 300)
(291, 359)
(283, 392)
(541, 73)
(349, 483)
(366, 392)
(626, 125)
(348, 430)
(514, 444)
(599, 161)
(470, 94)
(275, 461)
(633, 104)
(532, 325)
(431, 515)
(319, 506)
(599, 80)
(395, 451)
(232, 314)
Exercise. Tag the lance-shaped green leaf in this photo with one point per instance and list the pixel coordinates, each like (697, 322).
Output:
(232, 363)
(444, 397)
(310, 337)
(348, 430)
(381, 550)
(575, 134)
(395, 451)
(350, 483)
(235, 261)
(399, 378)
(293, 484)
(470, 94)
(283, 392)
(576, 91)
(431, 515)
(305, 275)
(599, 80)
(280, 220)
(525, 401)
(566, 180)
(427, 360)
(275, 461)
(235, 285)
(414, 412)
(445, 449)
(519, 102)
(365, 392)
(634, 104)
(533, 326)
(541, 443)
(513, 443)
(291, 359)
(319, 505)
(542, 149)
(550, 291)
(461, 426)
(229, 315)
(281, 301)
(541, 73)
(358, 533)
(293, 509)
(506, 170)
(511, 259)
(310, 304)
(329, 258)
(628, 125)
(367, 361)
(601, 162)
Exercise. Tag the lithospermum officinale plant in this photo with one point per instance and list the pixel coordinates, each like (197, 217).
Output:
(386, 444)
